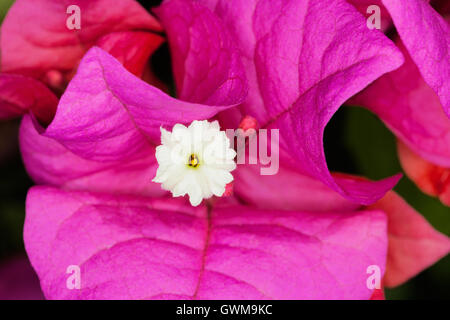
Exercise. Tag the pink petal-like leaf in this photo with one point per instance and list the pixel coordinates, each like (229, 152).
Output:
(414, 244)
(206, 63)
(131, 48)
(378, 294)
(335, 56)
(35, 38)
(141, 248)
(19, 95)
(288, 190)
(426, 35)
(430, 178)
(411, 109)
(49, 162)
(108, 114)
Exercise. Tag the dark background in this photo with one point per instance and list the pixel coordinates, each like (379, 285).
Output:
(355, 142)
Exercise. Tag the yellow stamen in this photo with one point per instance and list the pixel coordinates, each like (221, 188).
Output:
(193, 161)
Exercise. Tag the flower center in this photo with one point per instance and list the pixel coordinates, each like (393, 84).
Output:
(193, 161)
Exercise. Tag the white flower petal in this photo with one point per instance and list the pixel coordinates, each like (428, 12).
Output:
(199, 180)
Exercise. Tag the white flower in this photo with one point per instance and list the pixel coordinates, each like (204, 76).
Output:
(196, 160)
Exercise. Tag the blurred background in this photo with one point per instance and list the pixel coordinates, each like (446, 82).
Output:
(355, 142)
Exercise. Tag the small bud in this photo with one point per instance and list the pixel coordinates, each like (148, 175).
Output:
(54, 79)
(247, 123)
